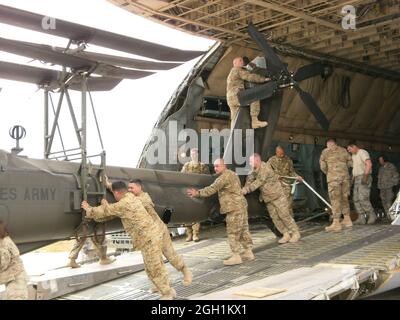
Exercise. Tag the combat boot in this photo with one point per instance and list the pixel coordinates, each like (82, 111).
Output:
(235, 259)
(196, 236)
(171, 295)
(285, 238)
(189, 234)
(247, 255)
(187, 276)
(154, 289)
(371, 218)
(295, 237)
(255, 123)
(346, 222)
(334, 227)
(106, 260)
(361, 219)
(72, 264)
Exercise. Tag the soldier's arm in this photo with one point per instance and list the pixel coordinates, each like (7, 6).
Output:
(105, 211)
(257, 182)
(322, 163)
(184, 168)
(349, 161)
(395, 175)
(249, 180)
(206, 170)
(251, 77)
(5, 259)
(218, 184)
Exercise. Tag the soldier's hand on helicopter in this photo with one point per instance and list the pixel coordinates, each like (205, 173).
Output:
(104, 202)
(85, 206)
(192, 192)
(108, 183)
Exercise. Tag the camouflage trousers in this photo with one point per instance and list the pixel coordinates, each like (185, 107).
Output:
(361, 194)
(387, 196)
(339, 192)
(234, 105)
(154, 265)
(237, 228)
(78, 245)
(17, 289)
(193, 229)
(278, 209)
(288, 193)
(169, 252)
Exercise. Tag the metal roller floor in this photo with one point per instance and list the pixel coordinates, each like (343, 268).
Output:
(372, 251)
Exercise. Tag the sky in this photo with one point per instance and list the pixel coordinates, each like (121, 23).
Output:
(126, 115)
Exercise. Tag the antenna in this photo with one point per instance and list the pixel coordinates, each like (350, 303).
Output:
(17, 133)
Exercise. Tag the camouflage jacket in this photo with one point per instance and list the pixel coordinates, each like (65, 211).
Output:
(195, 167)
(134, 217)
(388, 176)
(236, 78)
(148, 204)
(10, 261)
(283, 167)
(335, 163)
(229, 192)
(267, 180)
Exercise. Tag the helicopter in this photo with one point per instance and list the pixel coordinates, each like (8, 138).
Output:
(40, 199)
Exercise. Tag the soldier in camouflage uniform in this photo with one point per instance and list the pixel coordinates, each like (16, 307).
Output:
(12, 271)
(388, 177)
(263, 176)
(136, 187)
(362, 182)
(283, 166)
(145, 234)
(194, 166)
(235, 83)
(234, 205)
(335, 162)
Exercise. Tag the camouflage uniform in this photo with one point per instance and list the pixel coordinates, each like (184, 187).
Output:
(234, 205)
(12, 272)
(335, 163)
(168, 250)
(273, 195)
(145, 235)
(284, 167)
(361, 191)
(388, 177)
(200, 168)
(235, 83)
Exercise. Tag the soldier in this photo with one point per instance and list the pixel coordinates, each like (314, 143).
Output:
(101, 249)
(263, 176)
(136, 187)
(235, 83)
(283, 166)
(335, 162)
(194, 166)
(234, 205)
(12, 271)
(388, 177)
(362, 180)
(145, 235)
